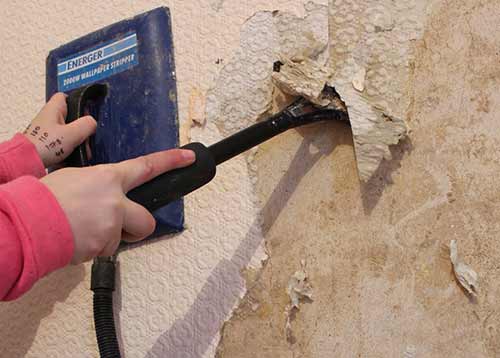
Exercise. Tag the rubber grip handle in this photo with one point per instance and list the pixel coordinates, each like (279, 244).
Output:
(177, 183)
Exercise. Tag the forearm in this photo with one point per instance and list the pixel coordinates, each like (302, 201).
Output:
(19, 157)
(35, 236)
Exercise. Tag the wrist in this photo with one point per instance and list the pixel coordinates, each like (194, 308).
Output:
(20, 157)
(37, 146)
(50, 242)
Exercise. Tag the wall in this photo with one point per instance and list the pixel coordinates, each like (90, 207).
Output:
(376, 253)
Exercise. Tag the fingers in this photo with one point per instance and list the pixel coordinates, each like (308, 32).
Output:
(135, 172)
(79, 130)
(137, 222)
(130, 238)
(110, 248)
(55, 109)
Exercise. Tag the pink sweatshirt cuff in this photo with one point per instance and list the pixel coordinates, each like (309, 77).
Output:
(19, 157)
(46, 236)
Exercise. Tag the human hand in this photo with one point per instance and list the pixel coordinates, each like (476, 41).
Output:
(54, 140)
(94, 200)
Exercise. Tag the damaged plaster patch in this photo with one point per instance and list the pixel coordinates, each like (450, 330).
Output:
(196, 110)
(298, 289)
(373, 130)
(243, 92)
(195, 117)
(464, 274)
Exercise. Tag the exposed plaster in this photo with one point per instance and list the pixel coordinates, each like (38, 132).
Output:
(196, 110)
(244, 89)
(382, 279)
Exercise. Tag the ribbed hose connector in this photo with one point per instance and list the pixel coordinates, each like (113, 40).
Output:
(103, 285)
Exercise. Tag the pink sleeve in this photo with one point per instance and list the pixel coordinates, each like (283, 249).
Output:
(35, 236)
(19, 157)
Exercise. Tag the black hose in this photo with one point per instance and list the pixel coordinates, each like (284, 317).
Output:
(103, 285)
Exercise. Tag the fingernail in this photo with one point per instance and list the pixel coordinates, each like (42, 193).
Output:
(188, 155)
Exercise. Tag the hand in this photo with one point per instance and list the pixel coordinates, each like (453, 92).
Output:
(54, 140)
(94, 201)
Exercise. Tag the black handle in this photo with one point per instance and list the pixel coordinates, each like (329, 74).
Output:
(77, 101)
(175, 184)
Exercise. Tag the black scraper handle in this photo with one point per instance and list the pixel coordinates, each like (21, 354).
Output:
(173, 185)
(77, 102)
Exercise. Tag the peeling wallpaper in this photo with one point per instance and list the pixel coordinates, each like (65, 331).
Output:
(374, 39)
(244, 90)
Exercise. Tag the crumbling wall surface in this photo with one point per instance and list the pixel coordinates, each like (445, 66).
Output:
(377, 254)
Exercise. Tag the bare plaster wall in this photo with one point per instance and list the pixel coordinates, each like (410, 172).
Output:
(376, 254)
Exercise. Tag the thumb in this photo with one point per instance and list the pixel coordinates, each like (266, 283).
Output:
(79, 130)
